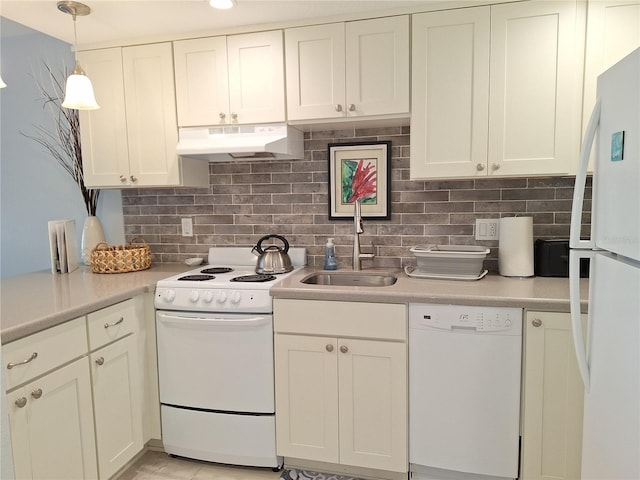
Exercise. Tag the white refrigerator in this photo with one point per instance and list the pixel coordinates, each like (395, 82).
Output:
(609, 351)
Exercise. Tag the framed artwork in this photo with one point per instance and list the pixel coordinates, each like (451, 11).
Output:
(360, 171)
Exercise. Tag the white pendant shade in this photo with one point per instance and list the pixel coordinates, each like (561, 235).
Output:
(79, 93)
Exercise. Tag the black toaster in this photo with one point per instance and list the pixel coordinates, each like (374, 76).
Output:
(551, 259)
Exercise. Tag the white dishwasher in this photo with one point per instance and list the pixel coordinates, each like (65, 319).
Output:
(464, 391)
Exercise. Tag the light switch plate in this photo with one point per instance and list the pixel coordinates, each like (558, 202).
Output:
(487, 228)
(187, 227)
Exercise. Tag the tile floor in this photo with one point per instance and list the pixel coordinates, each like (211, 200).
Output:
(160, 466)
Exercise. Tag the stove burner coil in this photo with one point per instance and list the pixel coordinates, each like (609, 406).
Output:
(196, 278)
(217, 270)
(254, 278)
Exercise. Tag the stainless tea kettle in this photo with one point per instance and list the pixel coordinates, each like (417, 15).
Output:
(272, 259)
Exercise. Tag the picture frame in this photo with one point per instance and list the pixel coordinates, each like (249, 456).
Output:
(365, 166)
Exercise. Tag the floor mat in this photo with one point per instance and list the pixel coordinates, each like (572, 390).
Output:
(307, 475)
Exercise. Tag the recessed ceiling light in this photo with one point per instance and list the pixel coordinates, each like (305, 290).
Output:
(222, 4)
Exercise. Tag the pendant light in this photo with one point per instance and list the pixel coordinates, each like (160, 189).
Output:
(79, 91)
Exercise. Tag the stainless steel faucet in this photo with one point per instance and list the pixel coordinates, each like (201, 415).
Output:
(357, 227)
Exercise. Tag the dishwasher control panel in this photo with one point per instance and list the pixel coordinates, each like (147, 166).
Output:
(497, 320)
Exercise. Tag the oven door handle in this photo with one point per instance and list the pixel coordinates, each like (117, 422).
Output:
(211, 321)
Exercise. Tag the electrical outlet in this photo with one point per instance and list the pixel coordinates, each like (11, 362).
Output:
(187, 227)
(487, 228)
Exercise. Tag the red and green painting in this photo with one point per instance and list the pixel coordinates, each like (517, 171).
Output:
(359, 181)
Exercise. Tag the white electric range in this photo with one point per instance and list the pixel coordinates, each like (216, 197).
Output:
(215, 360)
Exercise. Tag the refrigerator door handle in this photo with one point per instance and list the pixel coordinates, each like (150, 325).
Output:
(581, 180)
(576, 320)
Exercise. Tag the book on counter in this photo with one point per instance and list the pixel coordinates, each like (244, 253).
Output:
(63, 246)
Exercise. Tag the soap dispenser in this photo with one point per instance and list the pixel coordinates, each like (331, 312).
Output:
(330, 262)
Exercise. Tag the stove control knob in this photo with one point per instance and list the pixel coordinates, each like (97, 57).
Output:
(194, 296)
(235, 297)
(169, 295)
(222, 297)
(208, 296)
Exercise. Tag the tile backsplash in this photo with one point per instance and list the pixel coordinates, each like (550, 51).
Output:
(249, 199)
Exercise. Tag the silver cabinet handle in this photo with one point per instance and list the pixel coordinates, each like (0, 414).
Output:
(344, 349)
(33, 356)
(107, 325)
(536, 322)
(234, 116)
(100, 360)
(480, 167)
(495, 166)
(352, 107)
(329, 347)
(222, 115)
(37, 393)
(123, 178)
(133, 179)
(338, 108)
(21, 402)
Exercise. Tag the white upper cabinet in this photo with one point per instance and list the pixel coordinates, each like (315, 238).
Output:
(613, 31)
(131, 140)
(450, 93)
(238, 79)
(496, 90)
(535, 88)
(350, 69)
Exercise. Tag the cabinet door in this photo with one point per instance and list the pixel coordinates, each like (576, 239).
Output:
(118, 412)
(450, 93)
(52, 434)
(315, 66)
(306, 371)
(535, 78)
(103, 132)
(377, 59)
(552, 400)
(256, 77)
(613, 31)
(151, 115)
(202, 86)
(373, 404)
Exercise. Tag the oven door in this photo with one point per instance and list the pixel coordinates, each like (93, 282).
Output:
(219, 362)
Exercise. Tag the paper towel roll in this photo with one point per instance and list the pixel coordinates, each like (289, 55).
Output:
(515, 243)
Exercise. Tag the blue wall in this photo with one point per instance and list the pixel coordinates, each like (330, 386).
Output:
(34, 188)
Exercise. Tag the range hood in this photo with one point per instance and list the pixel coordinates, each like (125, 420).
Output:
(241, 142)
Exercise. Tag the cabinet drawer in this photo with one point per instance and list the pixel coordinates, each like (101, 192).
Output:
(41, 352)
(386, 321)
(111, 323)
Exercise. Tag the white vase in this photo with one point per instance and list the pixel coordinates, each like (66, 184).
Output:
(92, 234)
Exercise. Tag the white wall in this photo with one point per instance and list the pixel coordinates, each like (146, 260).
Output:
(33, 187)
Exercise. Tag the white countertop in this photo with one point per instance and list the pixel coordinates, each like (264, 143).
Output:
(538, 293)
(36, 301)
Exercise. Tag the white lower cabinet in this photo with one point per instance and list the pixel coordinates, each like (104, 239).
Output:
(51, 423)
(340, 399)
(74, 407)
(553, 397)
(116, 400)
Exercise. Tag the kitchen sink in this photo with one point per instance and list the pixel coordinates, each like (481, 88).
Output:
(349, 279)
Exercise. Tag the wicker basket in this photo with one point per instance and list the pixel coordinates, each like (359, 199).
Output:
(121, 258)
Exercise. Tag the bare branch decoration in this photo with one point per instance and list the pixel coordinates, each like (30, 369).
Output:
(63, 144)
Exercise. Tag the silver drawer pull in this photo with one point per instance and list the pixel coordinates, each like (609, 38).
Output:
(344, 349)
(536, 322)
(107, 325)
(329, 347)
(100, 361)
(21, 402)
(33, 356)
(37, 393)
